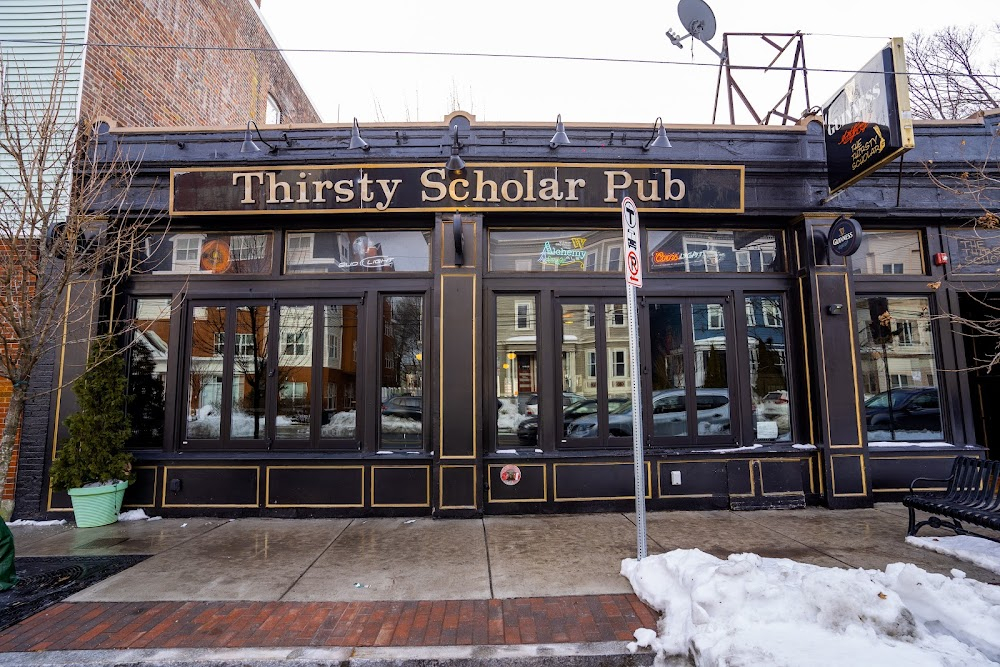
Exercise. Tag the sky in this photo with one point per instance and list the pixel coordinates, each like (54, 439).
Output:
(678, 85)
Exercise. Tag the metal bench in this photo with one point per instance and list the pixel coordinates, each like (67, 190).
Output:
(972, 496)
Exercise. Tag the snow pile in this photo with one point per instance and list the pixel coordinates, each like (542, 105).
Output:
(31, 522)
(976, 550)
(137, 515)
(749, 610)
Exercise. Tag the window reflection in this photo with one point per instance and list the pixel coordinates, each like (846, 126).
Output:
(516, 372)
(205, 253)
(768, 368)
(711, 372)
(295, 355)
(147, 371)
(750, 251)
(889, 253)
(248, 419)
(898, 369)
(357, 251)
(205, 379)
(667, 349)
(402, 372)
(340, 372)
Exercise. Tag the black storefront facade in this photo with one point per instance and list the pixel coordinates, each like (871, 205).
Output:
(339, 331)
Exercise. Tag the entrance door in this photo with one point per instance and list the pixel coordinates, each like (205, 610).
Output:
(691, 381)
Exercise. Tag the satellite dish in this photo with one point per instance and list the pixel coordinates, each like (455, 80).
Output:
(699, 21)
(697, 18)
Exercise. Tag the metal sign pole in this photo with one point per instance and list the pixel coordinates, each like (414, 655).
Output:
(633, 279)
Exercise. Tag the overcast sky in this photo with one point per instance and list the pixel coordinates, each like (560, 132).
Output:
(680, 86)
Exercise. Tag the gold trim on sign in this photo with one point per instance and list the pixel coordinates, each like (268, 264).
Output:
(441, 357)
(833, 475)
(166, 469)
(441, 504)
(427, 473)
(555, 482)
(545, 483)
(267, 486)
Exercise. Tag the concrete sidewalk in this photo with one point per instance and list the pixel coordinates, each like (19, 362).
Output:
(524, 587)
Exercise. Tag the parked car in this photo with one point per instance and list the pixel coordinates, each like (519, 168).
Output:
(527, 430)
(913, 409)
(405, 407)
(669, 415)
(568, 399)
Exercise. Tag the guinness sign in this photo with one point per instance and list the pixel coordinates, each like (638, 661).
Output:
(845, 236)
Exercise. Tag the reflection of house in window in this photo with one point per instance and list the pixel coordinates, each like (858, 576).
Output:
(295, 343)
(523, 315)
(591, 262)
(712, 261)
(614, 259)
(187, 248)
(899, 380)
(589, 316)
(743, 261)
(905, 332)
(244, 345)
(772, 314)
(618, 363)
(751, 314)
(617, 315)
(248, 246)
(299, 248)
(766, 259)
(715, 317)
(591, 364)
(892, 269)
(219, 343)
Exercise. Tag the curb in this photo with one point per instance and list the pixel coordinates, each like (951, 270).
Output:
(595, 654)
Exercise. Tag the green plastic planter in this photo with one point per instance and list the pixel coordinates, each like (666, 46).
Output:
(97, 505)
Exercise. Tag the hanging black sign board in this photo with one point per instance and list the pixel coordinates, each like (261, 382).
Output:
(868, 122)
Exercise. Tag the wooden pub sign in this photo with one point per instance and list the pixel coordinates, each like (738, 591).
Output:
(378, 188)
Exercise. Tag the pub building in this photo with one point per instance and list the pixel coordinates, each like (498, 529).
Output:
(430, 319)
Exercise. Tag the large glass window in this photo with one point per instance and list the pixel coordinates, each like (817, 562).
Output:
(147, 371)
(249, 408)
(889, 253)
(295, 360)
(206, 253)
(751, 251)
(768, 368)
(689, 350)
(898, 369)
(204, 399)
(516, 372)
(402, 372)
(974, 250)
(340, 372)
(579, 251)
(357, 251)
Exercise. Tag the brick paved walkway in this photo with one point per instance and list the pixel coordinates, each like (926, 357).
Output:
(102, 625)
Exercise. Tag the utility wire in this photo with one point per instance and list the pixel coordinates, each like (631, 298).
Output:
(474, 54)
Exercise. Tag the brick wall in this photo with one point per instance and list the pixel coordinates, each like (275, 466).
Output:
(141, 87)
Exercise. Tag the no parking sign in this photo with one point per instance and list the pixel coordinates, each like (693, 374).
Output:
(633, 250)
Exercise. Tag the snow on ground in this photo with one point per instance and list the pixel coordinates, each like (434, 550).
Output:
(749, 610)
(137, 515)
(976, 550)
(30, 522)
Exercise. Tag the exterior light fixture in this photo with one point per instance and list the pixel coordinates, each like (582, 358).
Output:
(559, 138)
(248, 144)
(455, 163)
(356, 140)
(657, 140)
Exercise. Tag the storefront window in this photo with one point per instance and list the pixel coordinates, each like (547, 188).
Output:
(206, 253)
(898, 369)
(696, 251)
(205, 373)
(889, 253)
(974, 250)
(768, 368)
(516, 378)
(402, 372)
(147, 371)
(248, 414)
(357, 251)
(580, 251)
(340, 372)
(295, 358)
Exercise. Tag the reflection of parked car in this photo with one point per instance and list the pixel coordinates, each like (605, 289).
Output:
(405, 407)
(774, 407)
(527, 430)
(568, 399)
(913, 409)
(669, 415)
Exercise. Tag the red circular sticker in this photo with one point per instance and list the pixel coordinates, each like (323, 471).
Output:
(510, 474)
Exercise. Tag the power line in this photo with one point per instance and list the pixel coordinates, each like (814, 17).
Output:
(474, 54)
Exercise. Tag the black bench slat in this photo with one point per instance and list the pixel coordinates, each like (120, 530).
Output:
(972, 496)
